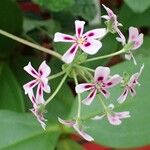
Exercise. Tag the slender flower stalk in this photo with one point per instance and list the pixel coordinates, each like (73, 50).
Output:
(106, 56)
(57, 89)
(79, 98)
(20, 40)
(56, 75)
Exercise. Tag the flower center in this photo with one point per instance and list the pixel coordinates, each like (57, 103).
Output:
(80, 40)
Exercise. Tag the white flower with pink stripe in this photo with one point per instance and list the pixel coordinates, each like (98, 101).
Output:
(114, 118)
(130, 86)
(87, 42)
(77, 127)
(102, 82)
(40, 80)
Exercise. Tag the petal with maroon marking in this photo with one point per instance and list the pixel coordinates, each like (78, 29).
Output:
(82, 133)
(113, 119)
(132, 91)
(60, 37)
(91, 46)
(79, 27)
(123, 96)
(104, 92)
(45, 86)
(121, 37)
(30, 70)
(90, 97)
(138, 42)
(133, 34)
(70, 54)
(101, 74)
(114, 80)
(39, 95)
(96, 33)
(80, 88)
(69, 123)
(109, 11)
(44, 70)
(29, 86)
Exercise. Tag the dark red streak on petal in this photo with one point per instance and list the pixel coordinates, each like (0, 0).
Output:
(88, 86)
(33, 98)
(87, 44)
(33, 72)
(90, 34)
(40, 91)
(79, 31)
(103, 91)
(131, 90)
(109, 83)
(41, 72)
(73, 49)
(125, 92)
(91, 95)
(100, 78)
(67, 38)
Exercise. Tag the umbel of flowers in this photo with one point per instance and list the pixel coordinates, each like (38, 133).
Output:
(97, 82)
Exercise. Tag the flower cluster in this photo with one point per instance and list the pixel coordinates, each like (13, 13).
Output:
(97, 84)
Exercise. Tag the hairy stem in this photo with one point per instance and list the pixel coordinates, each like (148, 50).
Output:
(57, 89)
(18, 39)
(56, 75)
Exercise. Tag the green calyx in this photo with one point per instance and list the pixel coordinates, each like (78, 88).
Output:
(41, 108)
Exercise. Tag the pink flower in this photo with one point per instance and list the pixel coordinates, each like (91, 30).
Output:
(86, 42)
(130, 86)
(41, 81)
(114, 118)
(102, 82)
(77, 128)
(113, 23)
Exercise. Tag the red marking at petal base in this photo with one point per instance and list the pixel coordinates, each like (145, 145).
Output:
(100, 78)
(90, 34)
(72, 50)
(88, 86)
(67, 38)
(79, 31)
(87, 44)
(109, 83)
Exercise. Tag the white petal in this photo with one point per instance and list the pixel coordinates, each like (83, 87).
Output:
(128, 56)
(79, 27)
(98, 117)
(44, 70)
(133, 34)
(121, 37)
(60, 37)
(39, 95)
(114, 80)
(29, 69)
(104, 92)
(123, 96)
(70, 54)
(90, 97)
(138, 42)
(82, 133)
(96, 33)
(124, 114)
(101, 74)
(40, 118)
(91, 46)
(105, 17)
(132, 91)
(80, 88)
(114, 119)
(29, 86)
(45, 86)
(69, 123)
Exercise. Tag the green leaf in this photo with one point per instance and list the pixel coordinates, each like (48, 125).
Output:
(22, 132)
(85, 9)
(138, 6)
(67, 144)
(134, 131)
(10, 91)
(11, 21)
(54, 5)
(134, 19)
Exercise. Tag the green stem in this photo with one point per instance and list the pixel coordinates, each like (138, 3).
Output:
(56, 75)
(106, 56)
(102, 102)
(79, 99)
(18, 39)
(89, 69)
(57, 89)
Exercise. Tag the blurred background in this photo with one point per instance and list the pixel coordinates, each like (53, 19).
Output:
(37, 21)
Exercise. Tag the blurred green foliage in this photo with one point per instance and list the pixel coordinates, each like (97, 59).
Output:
(18, 128)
